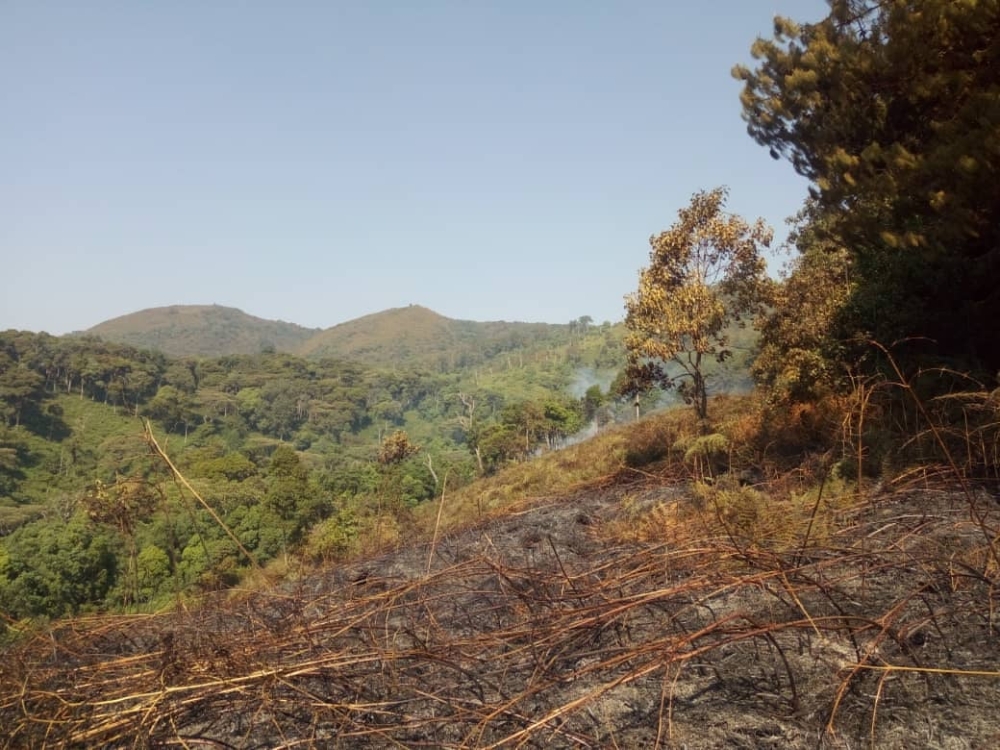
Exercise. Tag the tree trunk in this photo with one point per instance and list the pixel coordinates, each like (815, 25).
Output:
(430, 468)
(699, 395)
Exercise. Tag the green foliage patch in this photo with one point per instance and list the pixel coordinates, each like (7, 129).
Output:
(284, 452)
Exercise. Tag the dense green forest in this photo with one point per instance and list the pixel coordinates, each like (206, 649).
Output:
(286, 454)
(275, 443)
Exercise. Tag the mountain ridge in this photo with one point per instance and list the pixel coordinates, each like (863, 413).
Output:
(414, 334)
(200, 330)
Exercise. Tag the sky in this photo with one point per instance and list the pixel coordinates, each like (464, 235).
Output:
(317, 161)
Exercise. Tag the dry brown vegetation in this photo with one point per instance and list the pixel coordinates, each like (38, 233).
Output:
(644, 590)
(202, 330)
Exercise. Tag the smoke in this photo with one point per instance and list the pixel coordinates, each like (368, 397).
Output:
(615, 410)
(587, 377)
(584, 379)
(585, 434)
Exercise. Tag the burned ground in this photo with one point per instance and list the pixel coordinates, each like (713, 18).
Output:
(542, 628)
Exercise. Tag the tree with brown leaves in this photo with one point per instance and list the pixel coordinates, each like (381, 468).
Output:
(705, 273)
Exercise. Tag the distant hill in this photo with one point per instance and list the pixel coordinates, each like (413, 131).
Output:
(408, 336)
(202, 330)
(416, 335)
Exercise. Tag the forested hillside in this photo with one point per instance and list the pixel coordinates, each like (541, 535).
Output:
(201, 331)
(293, 454)
(418, 336)
(411, 336)
(276, 443)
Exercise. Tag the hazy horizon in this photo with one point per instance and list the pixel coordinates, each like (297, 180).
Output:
(317, 163)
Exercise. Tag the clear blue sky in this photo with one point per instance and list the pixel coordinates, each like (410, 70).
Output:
(317, 161)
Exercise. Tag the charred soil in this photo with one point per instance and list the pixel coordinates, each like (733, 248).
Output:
(542, 628)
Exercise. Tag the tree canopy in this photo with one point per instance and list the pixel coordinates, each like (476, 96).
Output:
(278, 447)
(705, 272)
(892, 109)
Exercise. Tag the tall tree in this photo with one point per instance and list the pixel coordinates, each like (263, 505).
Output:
(19, 387)
(123, 506)
(892, 109)
(799, 355)
(705, 273)
(173, 407)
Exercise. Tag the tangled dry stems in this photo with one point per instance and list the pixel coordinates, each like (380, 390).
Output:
(542, 629)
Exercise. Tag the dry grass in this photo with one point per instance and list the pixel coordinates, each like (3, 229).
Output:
(626, 450)
(518, 637)
(597, 603)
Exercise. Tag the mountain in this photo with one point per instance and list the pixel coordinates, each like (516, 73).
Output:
(384, 337)
(202, 330)
(413, 335)
(419, 336)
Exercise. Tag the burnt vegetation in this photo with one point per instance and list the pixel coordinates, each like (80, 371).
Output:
(689, 602)
(810, 565)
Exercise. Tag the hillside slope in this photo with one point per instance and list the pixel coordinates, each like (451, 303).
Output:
(202, 330)
(416, 335)
(540, 627)
(412, 336)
